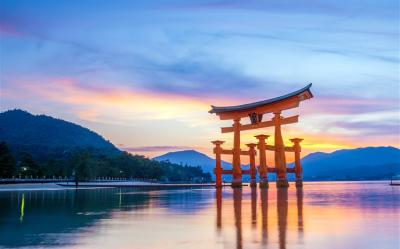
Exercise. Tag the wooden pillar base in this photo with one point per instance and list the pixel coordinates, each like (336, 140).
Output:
(282, 183)
(264, 184)
(299, 183)
(253, 183)
(236, 183)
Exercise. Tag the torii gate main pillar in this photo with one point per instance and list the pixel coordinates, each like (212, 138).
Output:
(297, 162)
(280, 159)
(237, 171)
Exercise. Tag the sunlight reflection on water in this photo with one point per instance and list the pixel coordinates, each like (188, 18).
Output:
(321, 215)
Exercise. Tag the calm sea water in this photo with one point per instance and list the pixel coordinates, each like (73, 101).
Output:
(322, 215)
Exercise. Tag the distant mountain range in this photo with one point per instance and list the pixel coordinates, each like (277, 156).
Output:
(361, 163)
(41, 135)
(192, 158)
(371, 163)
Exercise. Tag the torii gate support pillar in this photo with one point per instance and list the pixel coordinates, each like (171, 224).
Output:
(263, 168)
(218, 168)
(253, 171)
(297, 162)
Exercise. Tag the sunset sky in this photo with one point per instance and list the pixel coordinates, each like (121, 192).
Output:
(143, 74)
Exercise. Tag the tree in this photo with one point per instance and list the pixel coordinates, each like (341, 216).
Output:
(53, 167)
(28, 166)
(7, 162)
(81, 163)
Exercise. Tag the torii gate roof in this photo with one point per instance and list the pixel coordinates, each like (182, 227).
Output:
(299, 95)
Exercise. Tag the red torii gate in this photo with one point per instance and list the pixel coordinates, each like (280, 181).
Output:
(255, 112)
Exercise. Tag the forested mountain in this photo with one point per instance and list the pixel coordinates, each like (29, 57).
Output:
(42, 146)
(41, 135)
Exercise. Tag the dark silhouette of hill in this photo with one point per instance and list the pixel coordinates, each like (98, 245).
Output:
(361, 163)
(371, 163)
(41, 134)
(42, 146)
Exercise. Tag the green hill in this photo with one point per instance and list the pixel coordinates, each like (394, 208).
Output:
(44, 136)
(42, 146)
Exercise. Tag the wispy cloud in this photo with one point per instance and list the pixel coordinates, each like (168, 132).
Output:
(364, 55)
(372, 128)
(350, 105)
(8, 30)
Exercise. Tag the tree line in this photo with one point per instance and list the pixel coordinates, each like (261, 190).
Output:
(86, 164)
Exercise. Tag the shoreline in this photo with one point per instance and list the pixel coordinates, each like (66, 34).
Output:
(135, 184)
(94, 185)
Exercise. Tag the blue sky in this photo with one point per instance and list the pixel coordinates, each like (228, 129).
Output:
(143, 73)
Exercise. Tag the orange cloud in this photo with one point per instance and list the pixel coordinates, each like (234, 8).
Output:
(93, 103)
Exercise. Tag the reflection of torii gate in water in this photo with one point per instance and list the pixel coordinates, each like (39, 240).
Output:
(282, 215)
(255, 112)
